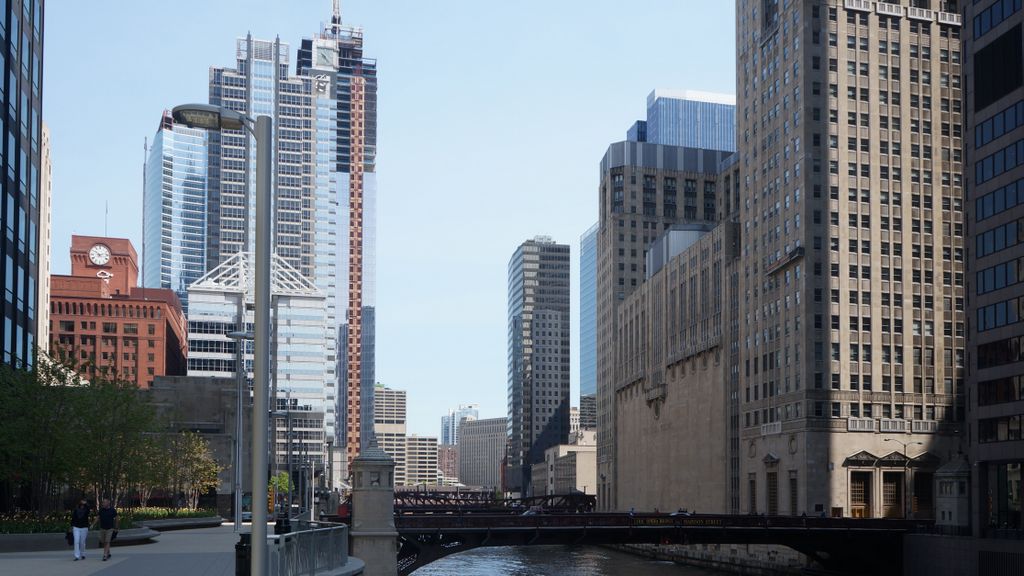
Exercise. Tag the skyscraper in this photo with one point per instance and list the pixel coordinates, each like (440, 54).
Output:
(174, 209)
(346, 83)
(994, 113)
(689, 118)
(851, 290)
(19, 218)
(450, 422)
(324, 194)
(538, 355)
(645, 188)
(588, 328)
(389, 426)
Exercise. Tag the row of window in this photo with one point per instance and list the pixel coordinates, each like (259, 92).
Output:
(993, 16)
(1003, 429)
(1002, 123)
(1000, 390)
(1000, 200)
(999, 238)
(1001, 352)
(1000, 276)
(999, 162)
(1000, 314)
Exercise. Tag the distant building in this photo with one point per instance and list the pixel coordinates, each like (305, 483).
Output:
(451, 421)
(481, 450)
(421, 460)
(174, 206)
(45, 242)
(689, 118)
(389, 427)
(538, 355)
(588, 412)
(588, 328)
(568, 467)
(448, 461)
(101, 319)
(574, 420)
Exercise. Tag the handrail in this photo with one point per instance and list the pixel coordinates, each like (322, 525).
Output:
(309, 552)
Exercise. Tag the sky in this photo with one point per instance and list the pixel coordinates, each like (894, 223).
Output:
(493, 117)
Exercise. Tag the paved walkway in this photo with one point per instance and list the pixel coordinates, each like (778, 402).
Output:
(198, 552)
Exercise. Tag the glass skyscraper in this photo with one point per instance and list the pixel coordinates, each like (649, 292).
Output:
(174, 208)
(588, 327)
(324, 200)
(538, 356)
(21, 29)
(689, 118)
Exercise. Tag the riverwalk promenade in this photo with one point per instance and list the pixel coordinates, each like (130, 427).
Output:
(196, 552)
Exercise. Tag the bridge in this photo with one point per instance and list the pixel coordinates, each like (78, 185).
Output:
(840, 545)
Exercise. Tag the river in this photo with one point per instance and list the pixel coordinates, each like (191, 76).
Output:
(553, 561)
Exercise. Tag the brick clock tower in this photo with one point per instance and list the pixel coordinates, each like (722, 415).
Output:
(112, 259)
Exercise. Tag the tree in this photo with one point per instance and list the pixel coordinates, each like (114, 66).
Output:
(40, 414)
(113, 424)
(194, 470)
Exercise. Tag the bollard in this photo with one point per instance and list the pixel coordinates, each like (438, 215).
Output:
(243, 554)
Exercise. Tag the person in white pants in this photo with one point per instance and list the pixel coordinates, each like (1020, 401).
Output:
(80, 517)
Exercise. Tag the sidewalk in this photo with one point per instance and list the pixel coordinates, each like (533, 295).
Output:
(198, 552)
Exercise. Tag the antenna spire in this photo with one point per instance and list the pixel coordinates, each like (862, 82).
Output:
(336, 18)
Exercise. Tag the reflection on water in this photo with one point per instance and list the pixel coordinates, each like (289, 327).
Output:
(553, 561)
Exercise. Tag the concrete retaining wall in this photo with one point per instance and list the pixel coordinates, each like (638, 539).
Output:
(926, 555)
(56, 541)
(749, 559)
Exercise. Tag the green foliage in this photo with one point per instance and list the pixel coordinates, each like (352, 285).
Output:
(156, 513)
(280, 483)
(60, 434)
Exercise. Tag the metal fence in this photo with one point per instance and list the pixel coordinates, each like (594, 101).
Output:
(321, 548)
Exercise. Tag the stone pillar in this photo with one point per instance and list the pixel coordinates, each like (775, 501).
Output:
(374, 538)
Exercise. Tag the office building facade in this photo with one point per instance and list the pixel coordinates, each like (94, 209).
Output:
(221, 302)
(174, 206)
(389, 412)
(19, 252)
(481, 452)
(588, 328)
(45, 243)
(538, 355)
(644, 189)
(851, 272)
(104, 324)
(994, 128)
(421, 461)
(689, 118)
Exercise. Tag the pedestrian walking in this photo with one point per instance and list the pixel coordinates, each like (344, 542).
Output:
(109, 524)
(80, 521)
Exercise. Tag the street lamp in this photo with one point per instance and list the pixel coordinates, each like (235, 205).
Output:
(906, 476)
(239, 337)
(217, 118)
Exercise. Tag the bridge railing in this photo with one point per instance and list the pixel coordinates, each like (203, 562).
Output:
(308, 552)
(482, 521)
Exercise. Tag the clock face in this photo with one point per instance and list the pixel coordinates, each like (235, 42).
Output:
(99, 254)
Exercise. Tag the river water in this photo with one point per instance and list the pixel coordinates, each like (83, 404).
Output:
(553, 561)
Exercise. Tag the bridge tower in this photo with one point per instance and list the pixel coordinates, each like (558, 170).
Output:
(374, 538)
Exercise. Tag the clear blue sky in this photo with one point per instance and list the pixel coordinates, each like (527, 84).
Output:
(493, 119)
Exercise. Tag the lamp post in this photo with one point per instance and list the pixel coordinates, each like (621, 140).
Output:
(906, 478)
(239, 337)
(218, 118)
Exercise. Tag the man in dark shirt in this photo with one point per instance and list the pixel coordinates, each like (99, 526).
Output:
(109, 523)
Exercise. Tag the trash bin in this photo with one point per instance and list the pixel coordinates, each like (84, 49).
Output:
(243, 554)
